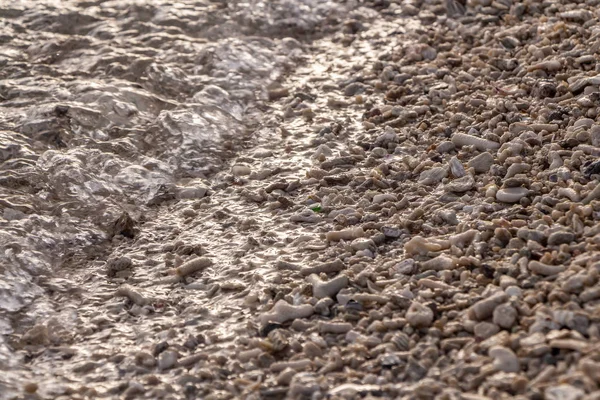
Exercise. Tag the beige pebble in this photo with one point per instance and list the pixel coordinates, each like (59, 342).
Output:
(484, 309)
(544, 269)
(419, 315)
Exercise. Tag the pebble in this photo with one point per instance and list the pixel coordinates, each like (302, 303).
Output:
(485, 330)
(456, 168)
(304, 385)
(445, 147)
(558, 238)
(381, 198)
(285, 377)
(481, 163)
(30, 387)
(334, 327)
(460, 185)
(484, 309)
(545, 269)
(439, 263)
(167, 359)
(311, 350)
(419, 316)
(240, 170)
(514, 291)
(563, 392)
(512, 195)
(504, 359)
(505, 315)
(433, 176)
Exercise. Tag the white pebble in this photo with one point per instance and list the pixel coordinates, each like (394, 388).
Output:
(511, 195)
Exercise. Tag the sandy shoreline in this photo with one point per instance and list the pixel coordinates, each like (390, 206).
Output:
(300, 200)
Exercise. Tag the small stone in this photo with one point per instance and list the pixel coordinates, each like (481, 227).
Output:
(575, 284)
(433, 176)
(145, 359)
(505, 316)
(391, 232)
(439, 263)
(30, 387)
(579, 16)
(354, 88)
(346, 234)
(303, 384)
(484, 330)
(285, 377)
(563, 392)
(419, 316)
(311, 350)
(504, 359)
(240, 170)
(445, 147)
(460, 185)
(383, 197)
(544, 269)
(456, 168)
(484, 309)
(513, 291)
(481, 163)
(511, 195)
(167, 359)
(558, 238)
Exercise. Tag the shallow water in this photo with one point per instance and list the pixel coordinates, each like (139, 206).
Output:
(110, 107)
